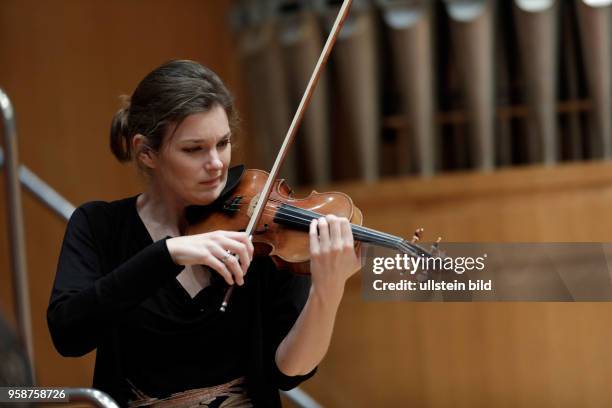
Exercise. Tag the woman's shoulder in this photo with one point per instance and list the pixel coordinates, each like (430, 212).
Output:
(100, 208)
(104, 217)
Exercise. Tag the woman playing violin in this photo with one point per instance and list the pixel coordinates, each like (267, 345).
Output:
(146, 297)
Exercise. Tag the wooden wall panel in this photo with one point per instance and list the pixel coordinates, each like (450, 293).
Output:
(388, 354)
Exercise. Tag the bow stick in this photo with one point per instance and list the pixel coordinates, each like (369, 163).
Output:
(297, 119)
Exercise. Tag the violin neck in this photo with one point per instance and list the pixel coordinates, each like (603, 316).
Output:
(372, 236)
(300, 218)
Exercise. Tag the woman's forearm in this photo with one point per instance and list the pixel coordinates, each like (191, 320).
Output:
(332, 261)
(307, 342)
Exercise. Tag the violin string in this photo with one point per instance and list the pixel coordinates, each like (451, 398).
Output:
(315, 215)
(377, 236)
(303, 217)
(362, 234)
(358, 236)
(359, 231)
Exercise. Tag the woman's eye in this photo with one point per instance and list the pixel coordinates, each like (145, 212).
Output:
(191, 149)
(223, 143)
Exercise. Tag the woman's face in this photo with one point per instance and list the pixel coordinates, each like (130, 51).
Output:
(193, 162)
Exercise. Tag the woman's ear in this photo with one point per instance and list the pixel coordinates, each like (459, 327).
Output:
(142, 152)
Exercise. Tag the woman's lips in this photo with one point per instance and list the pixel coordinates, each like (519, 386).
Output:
(211, 183)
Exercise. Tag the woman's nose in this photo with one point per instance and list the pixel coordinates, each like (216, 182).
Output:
(214, 164)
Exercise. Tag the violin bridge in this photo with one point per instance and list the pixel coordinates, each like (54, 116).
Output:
(253, 204)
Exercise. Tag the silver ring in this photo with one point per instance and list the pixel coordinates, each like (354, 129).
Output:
(225, 257)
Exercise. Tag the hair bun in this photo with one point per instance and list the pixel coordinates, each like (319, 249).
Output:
(119, 133)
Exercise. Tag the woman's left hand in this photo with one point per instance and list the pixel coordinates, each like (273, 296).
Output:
(332, 256)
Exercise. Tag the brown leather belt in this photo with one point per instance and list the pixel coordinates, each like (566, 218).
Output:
(229, 395)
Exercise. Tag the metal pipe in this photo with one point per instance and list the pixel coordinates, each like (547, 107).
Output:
(260, 55)
(16, 233)
(96, 397)
(355, 60)
(410, 28)
(301, 42)
(472, 31)
(537, 25)
(301, 399)
(42, 191)
(595, 32)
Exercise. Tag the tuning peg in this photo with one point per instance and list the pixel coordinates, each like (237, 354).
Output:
(417, 235)
(435, 248)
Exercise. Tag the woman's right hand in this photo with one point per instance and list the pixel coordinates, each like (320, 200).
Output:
(215, 249)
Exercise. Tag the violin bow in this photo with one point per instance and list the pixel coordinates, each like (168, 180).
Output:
(297, 120)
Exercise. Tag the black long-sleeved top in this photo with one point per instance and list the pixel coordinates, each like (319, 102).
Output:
(116, 291)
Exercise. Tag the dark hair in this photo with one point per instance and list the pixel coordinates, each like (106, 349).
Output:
(166, 96)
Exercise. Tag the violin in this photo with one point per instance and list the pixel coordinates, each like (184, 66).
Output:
(282, 231)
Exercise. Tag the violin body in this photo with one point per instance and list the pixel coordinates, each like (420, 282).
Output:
(282, 231)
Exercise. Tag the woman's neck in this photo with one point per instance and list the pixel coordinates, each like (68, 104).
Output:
(162, 212)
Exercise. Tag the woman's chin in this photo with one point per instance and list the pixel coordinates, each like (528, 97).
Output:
(205, 197)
